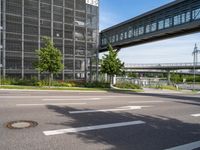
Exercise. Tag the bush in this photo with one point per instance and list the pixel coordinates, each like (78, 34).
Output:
(127, 86)
(166, 87)
(97, 85)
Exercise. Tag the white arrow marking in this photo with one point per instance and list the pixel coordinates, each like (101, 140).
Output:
(195, 115)
(89, 128)
(107, 110)
(190, 146)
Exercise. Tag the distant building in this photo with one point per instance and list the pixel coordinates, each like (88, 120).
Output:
(72, 24)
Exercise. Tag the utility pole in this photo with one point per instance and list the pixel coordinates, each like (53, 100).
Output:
(195, 62)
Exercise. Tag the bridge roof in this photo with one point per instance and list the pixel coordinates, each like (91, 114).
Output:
(144, 14)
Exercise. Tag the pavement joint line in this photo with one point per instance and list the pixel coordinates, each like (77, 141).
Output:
(56, 104)
(190, 146)
(195, 115)
(90, 99)
(89, 128)
(124, 108)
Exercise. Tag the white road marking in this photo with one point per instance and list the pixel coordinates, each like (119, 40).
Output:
(100, 96)
(89, 128)
(108, 110)
(56, 104)
(147, 102)
(195, 115)
(190, 146)
(68, 99)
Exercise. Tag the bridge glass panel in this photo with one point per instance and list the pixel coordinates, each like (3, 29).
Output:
(196, 14)
(188, 17)
(141, 30)
(130, 33)
(161, 24)
(177, 20)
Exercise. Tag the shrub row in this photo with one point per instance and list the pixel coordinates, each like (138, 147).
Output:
(35, 82)
(127, 86)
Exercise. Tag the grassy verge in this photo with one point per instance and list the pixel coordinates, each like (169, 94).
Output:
(51, 88)
(67, 88)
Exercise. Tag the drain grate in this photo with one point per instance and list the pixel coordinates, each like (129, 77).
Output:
(21, 124)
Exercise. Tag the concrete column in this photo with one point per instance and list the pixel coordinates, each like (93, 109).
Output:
(74, 42)
(63, 72)
(39, 33)
(86, 47)
(52, 20)
(4, 38)
(22, 39)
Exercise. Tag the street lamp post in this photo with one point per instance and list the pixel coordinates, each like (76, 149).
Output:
(195, 61)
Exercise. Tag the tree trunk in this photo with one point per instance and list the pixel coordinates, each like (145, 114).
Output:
(50, 79)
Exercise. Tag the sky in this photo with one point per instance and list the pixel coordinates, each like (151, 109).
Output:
(174, 50)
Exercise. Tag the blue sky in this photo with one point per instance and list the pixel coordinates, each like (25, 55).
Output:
(166, 51)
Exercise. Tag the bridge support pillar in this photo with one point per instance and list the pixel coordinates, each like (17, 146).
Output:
(168, 77)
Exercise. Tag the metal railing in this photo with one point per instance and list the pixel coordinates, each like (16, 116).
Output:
(160, 65)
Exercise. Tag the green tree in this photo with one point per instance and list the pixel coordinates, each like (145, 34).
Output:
(49, 59)
(111, 64)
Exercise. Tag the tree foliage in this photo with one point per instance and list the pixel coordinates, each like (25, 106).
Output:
(49, 58)
(111, 64)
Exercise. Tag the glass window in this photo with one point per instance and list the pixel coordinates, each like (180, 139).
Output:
(161, 24)
(117, 38)
(167, 23)
(130, 33)
(196, 14)
(141, 30)
(177, 20)
(125, 35)
(188, 17)
(153, 27)
(121, 36)
(183, 18)
(136, 32)
(148, 28)
(113, 39)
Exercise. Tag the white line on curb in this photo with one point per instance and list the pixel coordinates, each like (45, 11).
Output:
(56, 104)
(108, 110)
(190, 146)
(195, 115)
(89, 128)
(147, 102)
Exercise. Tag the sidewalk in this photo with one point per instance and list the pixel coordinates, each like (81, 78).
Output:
(151, 90)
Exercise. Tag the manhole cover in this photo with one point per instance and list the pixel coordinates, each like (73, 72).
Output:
(21, 124)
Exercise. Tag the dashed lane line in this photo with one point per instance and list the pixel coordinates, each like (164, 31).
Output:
(195, 115)
(89, 128)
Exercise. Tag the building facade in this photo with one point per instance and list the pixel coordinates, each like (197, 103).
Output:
(71, 24)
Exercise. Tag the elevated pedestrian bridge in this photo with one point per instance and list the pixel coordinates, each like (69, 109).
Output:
(162, 66)
(177, 18)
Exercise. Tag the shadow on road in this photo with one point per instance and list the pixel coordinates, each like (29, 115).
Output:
(158, 133)
(188, 99)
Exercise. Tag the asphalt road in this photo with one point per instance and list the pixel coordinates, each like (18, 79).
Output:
(100, 121)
